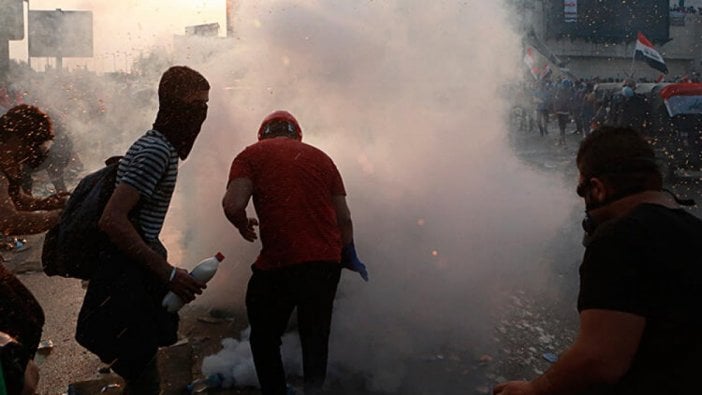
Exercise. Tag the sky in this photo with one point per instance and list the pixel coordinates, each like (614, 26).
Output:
(125, 28)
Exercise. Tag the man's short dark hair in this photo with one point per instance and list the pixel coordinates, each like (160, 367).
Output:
(29, 123)
(178, 82)
(621, 158)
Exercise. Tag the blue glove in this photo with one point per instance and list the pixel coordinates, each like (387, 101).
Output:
(349, 260)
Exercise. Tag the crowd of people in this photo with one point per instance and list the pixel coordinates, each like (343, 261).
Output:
(580, 106)
(686, 10)
(584, 103)
(640, 277)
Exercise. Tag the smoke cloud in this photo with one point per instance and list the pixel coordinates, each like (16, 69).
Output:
(407, 98)
(410, 100)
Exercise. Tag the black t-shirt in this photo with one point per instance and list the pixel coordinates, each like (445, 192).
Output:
(649, 263)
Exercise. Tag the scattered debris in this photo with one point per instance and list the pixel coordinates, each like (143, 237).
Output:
(551, 357)
(45, 347)
(485, 359)
(202, 385)
(13, 244)
(109, 387)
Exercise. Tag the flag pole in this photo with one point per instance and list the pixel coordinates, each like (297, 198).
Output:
(633, 60)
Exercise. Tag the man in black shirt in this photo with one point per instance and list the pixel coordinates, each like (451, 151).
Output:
(640, 281)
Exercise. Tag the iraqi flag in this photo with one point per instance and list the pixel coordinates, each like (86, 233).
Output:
(685, 98)
(531, 62)
(644, 51)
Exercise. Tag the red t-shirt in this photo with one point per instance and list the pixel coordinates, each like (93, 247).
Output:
(293, 185)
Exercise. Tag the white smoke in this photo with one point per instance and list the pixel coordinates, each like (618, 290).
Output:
(406, 97)
(235, 363)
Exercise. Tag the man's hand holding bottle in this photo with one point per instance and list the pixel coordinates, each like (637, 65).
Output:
(184, 285)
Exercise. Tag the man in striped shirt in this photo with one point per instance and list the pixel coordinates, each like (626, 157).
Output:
(122, 320)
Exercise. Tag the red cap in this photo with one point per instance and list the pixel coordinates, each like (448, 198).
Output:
(219, 256)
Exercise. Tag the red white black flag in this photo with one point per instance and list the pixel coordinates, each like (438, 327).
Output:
(644, 51)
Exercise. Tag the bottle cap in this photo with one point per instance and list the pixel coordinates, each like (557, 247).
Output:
(219, 256)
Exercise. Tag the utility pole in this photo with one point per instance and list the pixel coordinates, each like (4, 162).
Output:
(4, 59)
(230, 18)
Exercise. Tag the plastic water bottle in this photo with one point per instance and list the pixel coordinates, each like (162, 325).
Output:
(204, 271)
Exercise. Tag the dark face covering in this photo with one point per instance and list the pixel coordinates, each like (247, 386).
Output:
(180, 122)
(36, 158)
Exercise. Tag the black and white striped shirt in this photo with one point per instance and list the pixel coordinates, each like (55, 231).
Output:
(151, 167)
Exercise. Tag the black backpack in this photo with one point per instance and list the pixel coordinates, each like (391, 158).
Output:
(72, 247)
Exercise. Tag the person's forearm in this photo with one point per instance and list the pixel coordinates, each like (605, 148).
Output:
(346, 229)
(574, 371)
(237, 216)
(49, 203)
(27, 223)
(25, 202)
(123, 234)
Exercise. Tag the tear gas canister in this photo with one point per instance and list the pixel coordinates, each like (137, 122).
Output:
(203, 272)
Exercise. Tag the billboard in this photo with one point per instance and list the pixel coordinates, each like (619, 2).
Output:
(11, 19)
(608, 20)
(60, 33)
(206, 30)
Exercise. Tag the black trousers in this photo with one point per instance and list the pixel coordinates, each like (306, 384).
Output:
(270, 299)
(122, 321)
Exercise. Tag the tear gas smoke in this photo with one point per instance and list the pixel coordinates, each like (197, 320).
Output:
(409, 98)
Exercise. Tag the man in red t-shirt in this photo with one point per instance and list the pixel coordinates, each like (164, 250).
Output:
(306, 237)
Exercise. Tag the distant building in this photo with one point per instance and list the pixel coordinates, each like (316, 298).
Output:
(200, 43)
(205, 30)
(597, 38)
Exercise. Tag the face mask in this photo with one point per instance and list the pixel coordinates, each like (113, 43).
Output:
(181, 122)
(589, 226)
